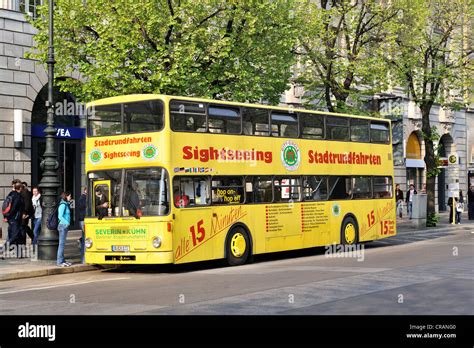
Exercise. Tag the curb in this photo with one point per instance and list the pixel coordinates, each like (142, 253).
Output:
(436, 229)
(53, 271)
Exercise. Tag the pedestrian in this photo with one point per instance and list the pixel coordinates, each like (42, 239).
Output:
(409, 200)
(14, 217)
(29, 211)
(459, 208)
(64, 218)
(470, 202)
(399, 200)
(101, 203)
(452, 207)
(81, 214)
(38, 213)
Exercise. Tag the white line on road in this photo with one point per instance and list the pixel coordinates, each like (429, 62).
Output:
(60, 285)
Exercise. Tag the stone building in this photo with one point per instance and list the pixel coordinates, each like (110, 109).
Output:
(408, 144)
(23, 92)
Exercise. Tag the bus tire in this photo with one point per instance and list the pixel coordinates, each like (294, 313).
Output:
(349, 231)
(238, 246)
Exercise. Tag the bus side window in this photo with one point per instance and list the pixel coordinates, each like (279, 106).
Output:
(337, 128)
(284, 124)
(361, 187)
(255, 121)
(315, 188)
(340, 187)
(190, 191)
(383, 187)
(263, 189)
(188, 116)
(224, 120)
(311, 126)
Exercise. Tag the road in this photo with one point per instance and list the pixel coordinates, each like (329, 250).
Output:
(420, 273)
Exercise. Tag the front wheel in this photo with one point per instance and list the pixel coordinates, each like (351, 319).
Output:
(349, 231)
(237, 246)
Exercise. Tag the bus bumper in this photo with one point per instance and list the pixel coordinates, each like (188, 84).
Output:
(157, 257)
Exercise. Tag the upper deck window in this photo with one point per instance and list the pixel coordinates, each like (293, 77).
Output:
(115, 119)
(224, 120)
(284, 125)
(188, 116)
(379, 132)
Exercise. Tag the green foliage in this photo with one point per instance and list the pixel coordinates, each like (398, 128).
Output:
(341, 47)
(432, 219)
(430, 55)
(236, 49)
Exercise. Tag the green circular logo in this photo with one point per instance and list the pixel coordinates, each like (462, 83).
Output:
(95, 156)
(150, 152)
(336, 209)
(453, 159)
(290, 155)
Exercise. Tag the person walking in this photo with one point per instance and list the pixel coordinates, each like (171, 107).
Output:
(409, 200)
(399, 200)
(452, 207)
(38, 213)
(459, 207)
(64, 218)
(28, 212)
(14, 217)
(81, 214)
(470, 202)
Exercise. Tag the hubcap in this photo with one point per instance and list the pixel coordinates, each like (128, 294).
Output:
(238, 245)
(350, 233)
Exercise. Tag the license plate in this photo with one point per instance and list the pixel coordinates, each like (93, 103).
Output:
(122, 248)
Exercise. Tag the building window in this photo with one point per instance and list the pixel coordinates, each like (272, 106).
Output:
(30, 7)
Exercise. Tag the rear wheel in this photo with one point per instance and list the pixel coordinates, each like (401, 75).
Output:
(349, 231)
(237, 246)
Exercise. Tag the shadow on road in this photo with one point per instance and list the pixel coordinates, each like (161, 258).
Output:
(283, 255)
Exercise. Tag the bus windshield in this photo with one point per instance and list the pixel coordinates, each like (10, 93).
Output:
(129, 192)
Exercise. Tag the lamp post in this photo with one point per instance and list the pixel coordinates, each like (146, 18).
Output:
(48, 240)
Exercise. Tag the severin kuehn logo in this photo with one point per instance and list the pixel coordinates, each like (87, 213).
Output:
(150, 152)
(95, 156)
(290, 155)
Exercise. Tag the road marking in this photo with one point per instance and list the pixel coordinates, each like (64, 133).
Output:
(60, 285)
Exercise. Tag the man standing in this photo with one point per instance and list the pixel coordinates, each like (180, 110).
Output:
(399, 199)
(29, 210)
(81, 214)
(409, 200)
(14, 218)
(470, 202)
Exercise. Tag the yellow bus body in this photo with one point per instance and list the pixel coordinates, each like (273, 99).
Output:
(272, 227)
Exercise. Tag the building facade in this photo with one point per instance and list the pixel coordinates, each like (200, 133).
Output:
(23, 93)
(453, 128)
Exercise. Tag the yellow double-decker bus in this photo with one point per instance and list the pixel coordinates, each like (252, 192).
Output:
(175, 180)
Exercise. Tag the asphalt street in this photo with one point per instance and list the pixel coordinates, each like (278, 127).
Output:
(412, 273)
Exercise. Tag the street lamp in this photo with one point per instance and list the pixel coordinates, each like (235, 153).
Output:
(48, 240)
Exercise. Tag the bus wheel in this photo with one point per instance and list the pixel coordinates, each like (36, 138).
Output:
(238, 246)
(349, 231)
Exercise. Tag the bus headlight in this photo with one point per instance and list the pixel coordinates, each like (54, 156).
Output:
(156, 242)
(88, 242)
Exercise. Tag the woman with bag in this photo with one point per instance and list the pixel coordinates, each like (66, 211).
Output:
(64, 218)
(38, 212)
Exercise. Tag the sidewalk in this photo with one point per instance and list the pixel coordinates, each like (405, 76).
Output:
(406, 225)
(13, 268)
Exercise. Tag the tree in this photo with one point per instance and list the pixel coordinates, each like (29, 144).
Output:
(239, 50)
(341, 45)
(432, 57)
